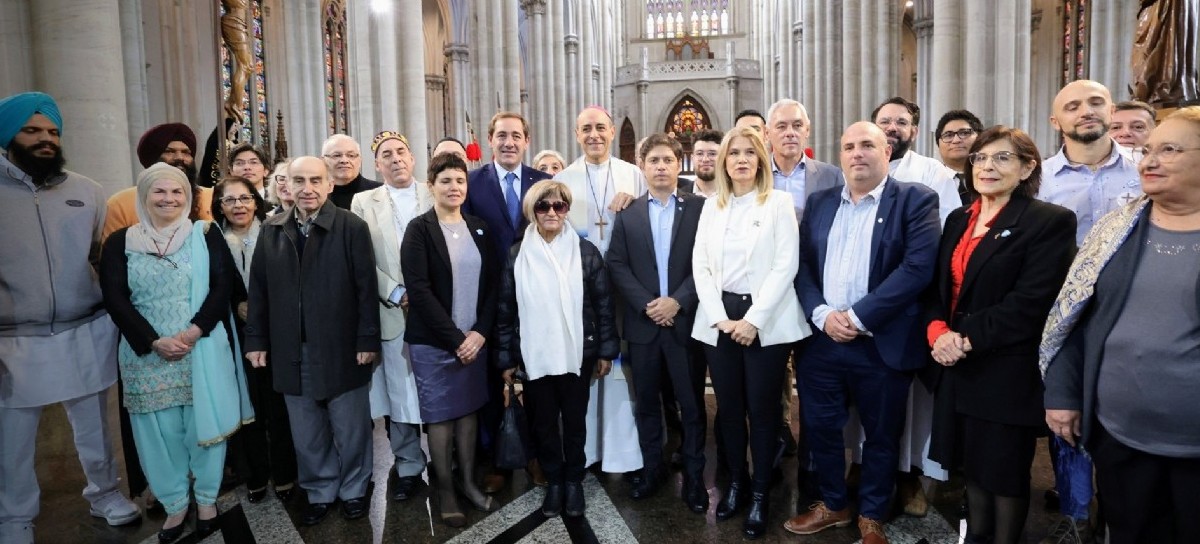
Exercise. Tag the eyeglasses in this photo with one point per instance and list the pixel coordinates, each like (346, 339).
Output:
(1000, 159)
(231, 201)
(544, 206)
(339, 156)
(1165, 152)
(704, 154)
(949, 135)
(900, 123)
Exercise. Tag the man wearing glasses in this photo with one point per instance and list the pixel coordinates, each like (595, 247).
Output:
(343, 157)
(955, 133)
(250, 162)
(899, 119)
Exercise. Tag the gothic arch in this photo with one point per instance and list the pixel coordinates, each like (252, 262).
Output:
(663, 122)
(627, 142)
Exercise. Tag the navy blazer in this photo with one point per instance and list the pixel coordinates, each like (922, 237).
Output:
(486, 201)
(634, 270)
(904, 248)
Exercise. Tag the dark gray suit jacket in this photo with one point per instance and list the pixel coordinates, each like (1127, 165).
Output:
(819, 176)
(634, 271)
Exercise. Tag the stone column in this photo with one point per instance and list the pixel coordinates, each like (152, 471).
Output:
(946, 60)
(511, 45)
(575, 75)
(923, 25)
(77, 59)
(535, 11)
(1110, 44)
(854, 77)
(460, 81)
(798, 82)
(644, 113)
(410, 63)
(435, 88)
(558, 83)
(304, 94)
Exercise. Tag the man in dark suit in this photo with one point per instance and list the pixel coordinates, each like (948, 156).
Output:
(650, 261)
(314, 316)
(867, 252)
(494, 194)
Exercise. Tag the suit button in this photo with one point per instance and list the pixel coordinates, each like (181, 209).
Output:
(744, 297)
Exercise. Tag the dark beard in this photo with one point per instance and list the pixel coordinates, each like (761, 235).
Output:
(900, 148)
(1085, 137)
(38, 168)
(189, 170)
(707, 176)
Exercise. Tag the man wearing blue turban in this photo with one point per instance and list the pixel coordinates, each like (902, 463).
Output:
(57, 344)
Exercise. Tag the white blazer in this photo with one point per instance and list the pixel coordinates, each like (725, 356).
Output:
(375, 207)
(774, 260)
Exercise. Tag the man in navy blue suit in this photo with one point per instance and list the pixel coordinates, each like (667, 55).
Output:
(867, 251)
(494, 193)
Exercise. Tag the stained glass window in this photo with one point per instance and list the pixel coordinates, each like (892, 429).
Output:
(1075, 38)
(335, 67)
(687, 118)
(666, 19)
(255, 96)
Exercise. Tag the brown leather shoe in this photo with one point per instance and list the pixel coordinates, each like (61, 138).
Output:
(872, 531)
(493, 483)
(818, 518)
(535, 473)
(911, 495)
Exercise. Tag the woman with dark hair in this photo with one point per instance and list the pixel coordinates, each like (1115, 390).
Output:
(262, 450)
(444, 259)
(1001, 261)
(555, 321)
(1121, 346)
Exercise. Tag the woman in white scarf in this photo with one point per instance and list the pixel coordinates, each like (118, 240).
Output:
(555, 286)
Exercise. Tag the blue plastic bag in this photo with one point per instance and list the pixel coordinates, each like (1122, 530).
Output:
(1072, 479)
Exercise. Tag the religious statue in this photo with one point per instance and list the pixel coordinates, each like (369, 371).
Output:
(234, 35)
(1165, 49)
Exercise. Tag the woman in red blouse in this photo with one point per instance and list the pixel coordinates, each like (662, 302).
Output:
(1001, 263)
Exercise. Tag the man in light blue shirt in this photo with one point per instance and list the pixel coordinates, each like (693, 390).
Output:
(787, 130)
(1089, 175)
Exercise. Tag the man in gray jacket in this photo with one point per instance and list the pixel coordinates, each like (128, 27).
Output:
(57, 344)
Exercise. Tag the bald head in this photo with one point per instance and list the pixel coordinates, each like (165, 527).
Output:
(594, 131)
(864, 156)
(1082, 111)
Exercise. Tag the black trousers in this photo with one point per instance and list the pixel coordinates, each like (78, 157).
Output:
(650, 362)
(1147, 498)
(264, 449)
(748, 381)
(548, 399)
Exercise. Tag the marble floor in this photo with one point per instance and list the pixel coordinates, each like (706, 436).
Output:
(611, 517)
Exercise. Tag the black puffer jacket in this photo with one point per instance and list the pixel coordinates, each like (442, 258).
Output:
(599, 326)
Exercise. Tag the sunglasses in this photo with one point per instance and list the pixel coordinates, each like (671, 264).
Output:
(544, 206)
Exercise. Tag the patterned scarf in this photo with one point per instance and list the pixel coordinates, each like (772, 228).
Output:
(1101, 243)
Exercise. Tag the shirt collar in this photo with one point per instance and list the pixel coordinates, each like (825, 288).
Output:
(875, 193)
(501, 172)
(670, 200)
(800, 166)
(1061, 162)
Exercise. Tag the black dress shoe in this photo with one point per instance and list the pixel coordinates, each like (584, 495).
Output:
(314, 513)
(694, 495)
(573, 506)
(756, 519)
(553, 502)
(285, 495)
(406, 488)
(256, 496)
(167, 536)
(733, 501)
(649, 485)
(356, 508)
(207, 526)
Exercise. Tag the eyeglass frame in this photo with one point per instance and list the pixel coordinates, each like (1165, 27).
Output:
(1176, 150)
(544, 206)
(231, 200)
(947, 136)
(339, 156)
(1000, 159)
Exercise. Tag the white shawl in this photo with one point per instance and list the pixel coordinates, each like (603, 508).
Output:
(549, 286)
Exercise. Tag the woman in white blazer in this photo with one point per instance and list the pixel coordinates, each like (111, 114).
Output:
(744, 262)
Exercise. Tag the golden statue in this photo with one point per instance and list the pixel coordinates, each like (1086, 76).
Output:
(1165, 52)
(235, 35)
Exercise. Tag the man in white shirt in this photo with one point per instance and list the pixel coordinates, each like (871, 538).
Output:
(899, 120)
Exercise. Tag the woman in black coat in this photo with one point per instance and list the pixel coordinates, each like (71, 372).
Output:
(555, 286)
(1001, 263)
(444, 259)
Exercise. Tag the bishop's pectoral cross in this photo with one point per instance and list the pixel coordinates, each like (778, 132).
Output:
(601, 223)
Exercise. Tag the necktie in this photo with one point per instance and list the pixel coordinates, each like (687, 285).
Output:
(511, 198)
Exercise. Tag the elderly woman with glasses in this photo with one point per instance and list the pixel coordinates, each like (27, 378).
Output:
(555, 322)
(1120, 349)
(1001, 261)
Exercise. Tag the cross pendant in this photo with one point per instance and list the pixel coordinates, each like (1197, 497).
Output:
(601, 223)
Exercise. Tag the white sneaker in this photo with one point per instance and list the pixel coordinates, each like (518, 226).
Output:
(116, 509)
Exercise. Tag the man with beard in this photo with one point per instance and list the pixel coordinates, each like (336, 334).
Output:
(704, 162)
(343, 157)
(174, 144)
(1088, 175)
(57, 344)
(955, 133)
(899, 120)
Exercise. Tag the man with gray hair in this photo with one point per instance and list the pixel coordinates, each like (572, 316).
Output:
(343, 158)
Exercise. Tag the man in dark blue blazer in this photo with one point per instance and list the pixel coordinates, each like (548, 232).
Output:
(650, 261)
(867, 251)
(494, 193)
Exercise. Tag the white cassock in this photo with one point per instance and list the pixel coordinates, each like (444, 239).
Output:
(918, 425)
(611, 430)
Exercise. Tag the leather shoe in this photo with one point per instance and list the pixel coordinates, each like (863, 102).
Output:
(872, 531)
(818, 518)
(257, 495)
(756, 519)
(207, 526)
(406, 488)
(314, 513)
(167, 536)
(694, 495)
(535, 474)
(493, 482)
(574, 506)
(356, 508)
(553, 502)
(651, 481)
(285, 495)
(734, 499)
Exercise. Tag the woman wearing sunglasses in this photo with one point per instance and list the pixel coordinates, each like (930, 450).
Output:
(555, 289)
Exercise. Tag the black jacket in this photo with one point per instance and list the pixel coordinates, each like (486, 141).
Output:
(327, 301)
(140, 333)
(429, 276)
(599, 326)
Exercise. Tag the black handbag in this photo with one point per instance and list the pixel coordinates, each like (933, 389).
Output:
(514, 448)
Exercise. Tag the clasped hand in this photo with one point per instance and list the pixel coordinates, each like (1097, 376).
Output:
(469, 349)
(950, 348)
(741, 331)
(662, 311)
(174, 348)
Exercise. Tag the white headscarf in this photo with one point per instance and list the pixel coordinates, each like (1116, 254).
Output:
(143, 237)
(549, 281)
